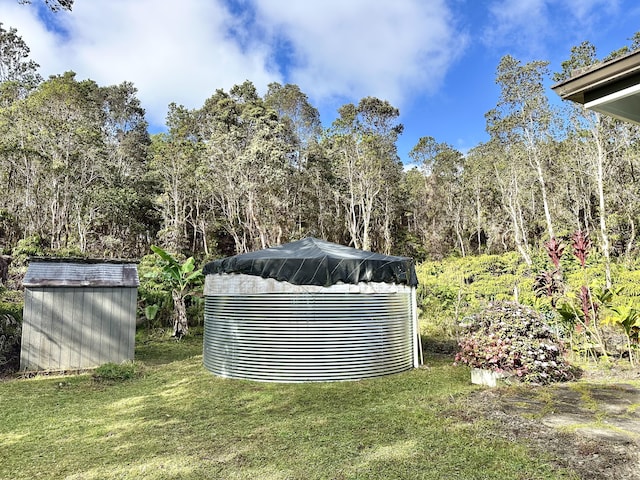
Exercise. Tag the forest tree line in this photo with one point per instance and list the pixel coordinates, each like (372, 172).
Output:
(80, 172)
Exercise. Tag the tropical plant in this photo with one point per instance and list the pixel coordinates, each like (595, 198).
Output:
(181, 277)
(581, 309)
(629, 319)
(150, 312)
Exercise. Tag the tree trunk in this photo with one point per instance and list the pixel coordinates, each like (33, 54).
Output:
(632, 237)
(478, 220)
(604, 244)
(521, 246)
(180, 324)
(5, 260)
(545, 202)
(519, 236)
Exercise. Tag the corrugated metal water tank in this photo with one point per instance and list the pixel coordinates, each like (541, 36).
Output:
(268, 329)
(78, 313)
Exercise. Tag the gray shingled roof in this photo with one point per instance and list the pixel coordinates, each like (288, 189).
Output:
(80, 273)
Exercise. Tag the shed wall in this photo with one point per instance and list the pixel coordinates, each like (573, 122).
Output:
(72, 328)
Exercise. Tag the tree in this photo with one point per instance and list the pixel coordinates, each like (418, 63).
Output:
(54, 5)
(247, 161)
(15, 65)
(597, 139)
(56, 139)
(524, 118)
(485, 206)
(302, 132)
(302, 118)
(175, 158)
(443, 168)
(74, 154)
(180, 277)
(362, 144)
(126, 216)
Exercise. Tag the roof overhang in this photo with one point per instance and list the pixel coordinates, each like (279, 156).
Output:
(611, 88)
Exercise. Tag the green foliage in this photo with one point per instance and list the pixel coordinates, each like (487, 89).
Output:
(513, 338)
(576, 289)
(195, 310)
(182, 278)
(115, 372)
(11, 303)
(628, 282)
(27, 247)
(11, 306)
(455, 287)
(154, 291)
(35, 246)
(179, 275)
(10, 337)
(629, 319)
(150, 311)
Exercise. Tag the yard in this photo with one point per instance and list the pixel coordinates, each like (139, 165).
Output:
(176, 420)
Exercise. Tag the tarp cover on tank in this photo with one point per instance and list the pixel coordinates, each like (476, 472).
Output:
(311, 261)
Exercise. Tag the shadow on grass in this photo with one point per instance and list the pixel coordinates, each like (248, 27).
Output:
(163, 349)
(439, 345)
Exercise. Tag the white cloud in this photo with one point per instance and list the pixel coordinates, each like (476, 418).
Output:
(519, 24)
(42, 43)
(171, 52)
(183, 51)
(357, 48)
(582, 11)
(533, 28)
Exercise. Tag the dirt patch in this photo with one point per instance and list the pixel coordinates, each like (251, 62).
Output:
(591, 427)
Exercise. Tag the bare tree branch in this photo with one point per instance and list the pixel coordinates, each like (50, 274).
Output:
(54, 5)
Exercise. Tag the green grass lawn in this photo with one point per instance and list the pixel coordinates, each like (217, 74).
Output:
(178, 421)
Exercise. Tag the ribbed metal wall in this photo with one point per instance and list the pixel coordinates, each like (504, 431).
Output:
(305, 337)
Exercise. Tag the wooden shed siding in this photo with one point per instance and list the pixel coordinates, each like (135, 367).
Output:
(70, 327)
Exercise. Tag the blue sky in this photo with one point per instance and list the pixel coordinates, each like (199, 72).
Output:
(433, 59)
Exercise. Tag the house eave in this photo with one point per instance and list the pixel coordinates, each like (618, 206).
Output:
(615, 74)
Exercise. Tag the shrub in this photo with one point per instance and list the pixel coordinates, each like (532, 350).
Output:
(513, 338)
(10, 336)
(115, 372)
(11, 303)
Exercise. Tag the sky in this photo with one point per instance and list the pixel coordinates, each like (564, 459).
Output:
(435, 60)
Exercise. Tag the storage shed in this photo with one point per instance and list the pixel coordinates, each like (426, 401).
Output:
(78, 313)
(310, 310)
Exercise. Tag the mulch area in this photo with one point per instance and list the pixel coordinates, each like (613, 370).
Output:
(591, 427)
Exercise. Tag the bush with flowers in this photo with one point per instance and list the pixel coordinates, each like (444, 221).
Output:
(511, 338)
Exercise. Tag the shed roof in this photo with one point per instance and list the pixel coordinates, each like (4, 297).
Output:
(50, 272)
(311, 261)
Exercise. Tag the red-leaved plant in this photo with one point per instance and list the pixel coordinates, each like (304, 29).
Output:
(555, 249)
(588, 306)
(550, 284)
(581, 245)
